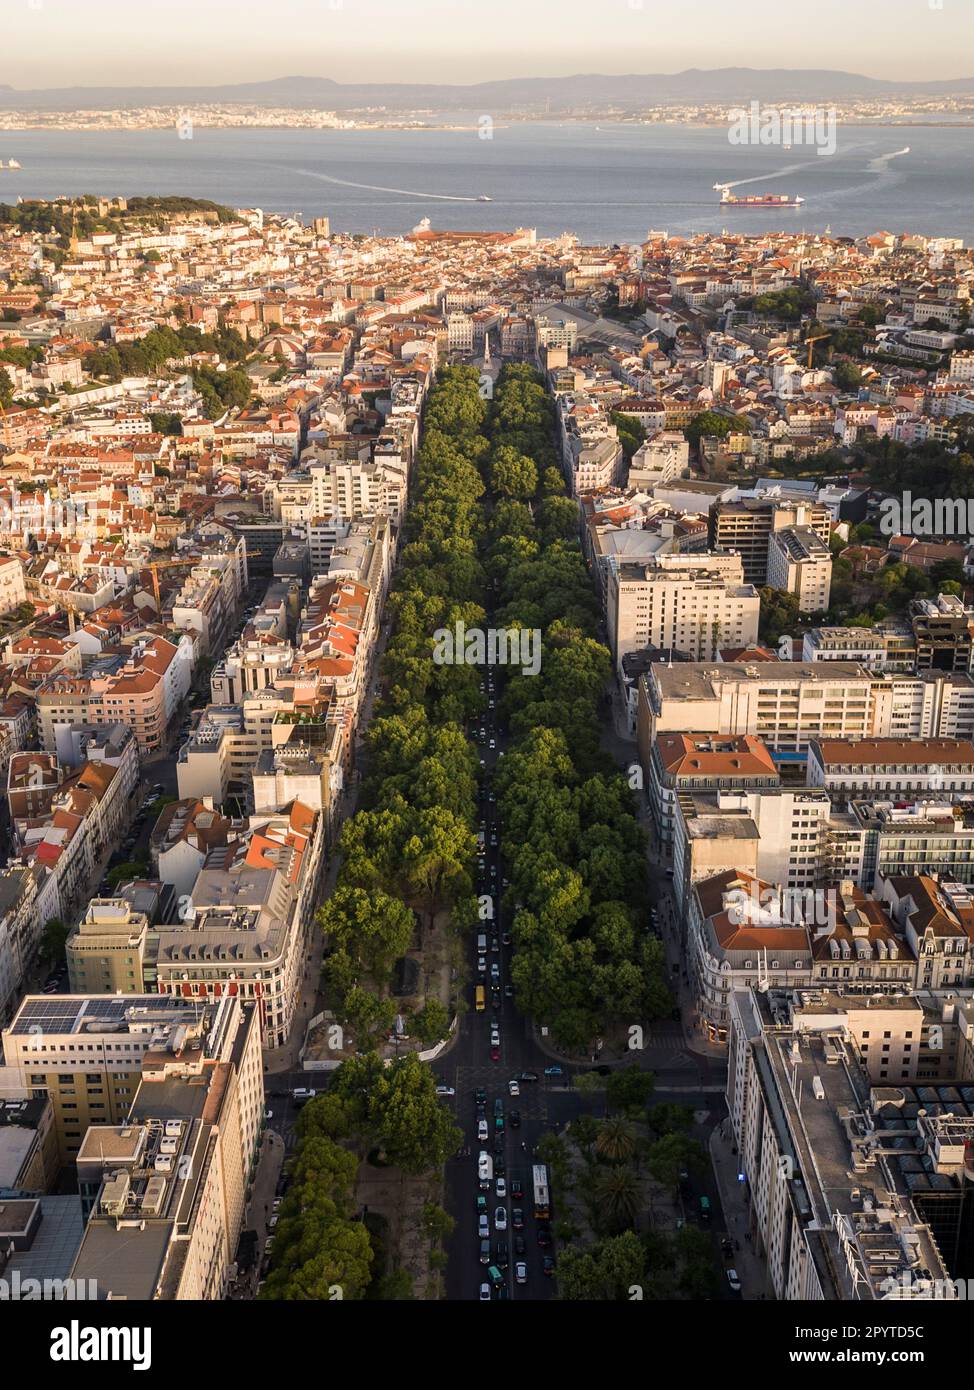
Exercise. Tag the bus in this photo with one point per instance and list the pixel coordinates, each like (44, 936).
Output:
(542, 1206)
(481, 998)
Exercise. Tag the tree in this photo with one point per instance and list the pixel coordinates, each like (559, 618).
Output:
(629, 1088)
(6, 389)
(606, 1273)
(431, 1023)
(437, 1223)
(617, 1198)
(615, 1142)
(671, 1156)
(53, 940)
(372, 927)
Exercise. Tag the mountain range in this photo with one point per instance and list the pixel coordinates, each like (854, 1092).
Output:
(577, 92)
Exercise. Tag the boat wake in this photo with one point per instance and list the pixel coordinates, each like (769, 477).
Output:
(381, 188)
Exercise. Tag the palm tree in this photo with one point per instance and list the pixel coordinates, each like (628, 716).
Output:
(618, 1198)
(615, 1142)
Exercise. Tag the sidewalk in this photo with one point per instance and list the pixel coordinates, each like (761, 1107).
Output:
(736, 1208)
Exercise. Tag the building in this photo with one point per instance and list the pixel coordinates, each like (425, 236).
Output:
(246, 927)
(746, 526)
(85, 1052)
(701, 762)
(166, 1188)
(842, 1179)
(109, 952)
(944, 633)
(684, 602)
(801, 564)
(942, 769)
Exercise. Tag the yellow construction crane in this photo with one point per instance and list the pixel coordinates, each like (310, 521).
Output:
(154, 566)
(810, 344)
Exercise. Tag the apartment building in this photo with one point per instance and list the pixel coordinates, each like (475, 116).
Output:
(28, 1146)
(785, 704)
(109, 950)
(29, 897)
(889, 646)
(942, 769)
(746, 526)
(676, 763)
(661, 457)
(166, 1189)
(944, 633)
(13, 589)
(687, 603)
(776, 835)
(86, 1053)
(894, 839)
(801, 564)
(836, 1212)
(246, 927)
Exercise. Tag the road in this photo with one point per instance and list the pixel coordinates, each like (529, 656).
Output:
(544, 1106)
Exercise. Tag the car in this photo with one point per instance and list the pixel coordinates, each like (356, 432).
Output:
(519, 1248)
(481, 1204)
(495, 1054)
(508, 991)
(268, 1245)
(485, 1293)
(495, 972)
(734, 1281)
(515, 1119)
(480, 1095)
(499, 1141)
(503, 1256)
(495, 1037)
(727, 1248)
(500, 1187)
(520, 1272)
(481, 965)
(445, 1091)
(513, 1089)
(268, 1113)
(492, 744)
(485, 1169)
(544, 1236)
(272, 1223)
(555, 1070)
(497, 1279)
(527, 1076)
(483, 1227)
(301, 1093)
(507, 939)
(493, 840)
(517, 1189)
(485, 1252)
(500, 1166)
(495, 945)
(500, 1219)
(276, 1204)
(517, 1215)
(548, 1265)
(483, 763)
(482, 1131)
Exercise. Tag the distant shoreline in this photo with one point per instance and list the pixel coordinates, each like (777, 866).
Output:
(77, 125)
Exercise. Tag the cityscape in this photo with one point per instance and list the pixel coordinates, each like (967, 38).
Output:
(486, 738)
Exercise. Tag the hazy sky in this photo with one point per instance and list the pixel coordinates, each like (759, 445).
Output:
(68, 42)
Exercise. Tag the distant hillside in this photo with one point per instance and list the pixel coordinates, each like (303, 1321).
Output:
(558, 93)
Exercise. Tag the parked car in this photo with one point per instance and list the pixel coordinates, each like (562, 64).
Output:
(513, 1088)
(521, 1272)
(733, 1280)
(500, 1219)
(555, 1070)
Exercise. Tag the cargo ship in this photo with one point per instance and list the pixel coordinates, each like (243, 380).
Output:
(757, 200)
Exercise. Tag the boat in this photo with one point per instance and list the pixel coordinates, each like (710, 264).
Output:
(11, 164)
(759, 200)
(484, 198)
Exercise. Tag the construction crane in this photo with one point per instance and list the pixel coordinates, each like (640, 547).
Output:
(810, 344)
(154, 566)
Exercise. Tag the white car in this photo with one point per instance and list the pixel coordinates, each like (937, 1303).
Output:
(521, 1272)
(485, 1293)
(500, 1219)
(482, 1131)
(445, 1091)
(500, 1187)
(513, 1089)
(733, 1279)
